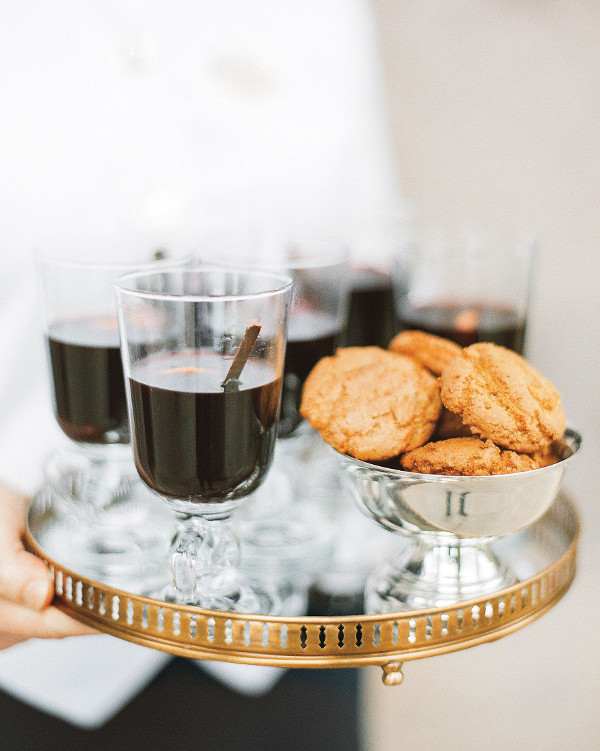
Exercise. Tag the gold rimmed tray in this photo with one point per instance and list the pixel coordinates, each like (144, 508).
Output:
(542, 556)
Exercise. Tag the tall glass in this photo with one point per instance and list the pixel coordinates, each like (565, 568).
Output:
(468, 286)
(203, 351)
(112, 530)
(288, 512)
(319, 269)
(371, 314)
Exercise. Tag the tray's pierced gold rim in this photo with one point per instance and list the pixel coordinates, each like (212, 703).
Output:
(312, 641)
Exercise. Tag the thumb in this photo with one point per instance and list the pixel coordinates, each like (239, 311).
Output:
(24, 578)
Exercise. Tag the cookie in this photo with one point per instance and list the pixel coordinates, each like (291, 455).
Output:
(465, 456)
(370, 403)
(499, 394)
(545, 457)
(434, 352)
(324, 383)
(450, 425)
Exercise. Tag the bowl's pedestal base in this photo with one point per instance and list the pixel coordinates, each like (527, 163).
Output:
(431, 575)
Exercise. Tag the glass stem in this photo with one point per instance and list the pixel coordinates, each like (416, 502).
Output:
(110, 477)
(205, 556)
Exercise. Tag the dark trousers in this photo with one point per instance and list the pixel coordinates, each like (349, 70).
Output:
(184, 708)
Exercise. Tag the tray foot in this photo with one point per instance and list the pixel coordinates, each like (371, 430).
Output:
(392, 673)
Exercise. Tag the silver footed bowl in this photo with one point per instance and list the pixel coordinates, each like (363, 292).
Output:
(481, 507)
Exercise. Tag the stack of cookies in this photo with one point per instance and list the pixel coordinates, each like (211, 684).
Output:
(427, 405)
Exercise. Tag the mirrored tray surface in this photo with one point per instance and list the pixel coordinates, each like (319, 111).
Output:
(542, 556)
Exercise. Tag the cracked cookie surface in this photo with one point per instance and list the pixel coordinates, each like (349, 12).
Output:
(466, 456)
(371, 403)
(451, 426)
(499, 394)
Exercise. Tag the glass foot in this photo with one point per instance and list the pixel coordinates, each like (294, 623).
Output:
(430, 575)
(205, 571)
(124, 545)
(287, 552)
(132, 560)
(238, 595)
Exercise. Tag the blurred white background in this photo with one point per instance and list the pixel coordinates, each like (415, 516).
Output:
(494, 110)
(162, 115)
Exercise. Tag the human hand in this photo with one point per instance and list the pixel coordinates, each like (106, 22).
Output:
(26, 587)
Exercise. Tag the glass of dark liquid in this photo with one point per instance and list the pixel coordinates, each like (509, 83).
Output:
(468, 287)
(113, 535)
(317, 317)
(203, 350)
(319, 269)
(281, 516)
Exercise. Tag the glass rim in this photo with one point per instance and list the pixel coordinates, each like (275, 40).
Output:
(472, 242)
(337, 252)
(41, 254)
(280, 284)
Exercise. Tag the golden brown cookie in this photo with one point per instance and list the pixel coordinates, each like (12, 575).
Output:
(324, 383)
(465, 456)
(451, 426)
(371, 403)
(434, 352)
(499, 394)
(545, 457)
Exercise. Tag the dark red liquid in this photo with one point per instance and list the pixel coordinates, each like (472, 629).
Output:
(466, 325)
(195, 440)
(310, 337)
(371, 310)
(88, 383)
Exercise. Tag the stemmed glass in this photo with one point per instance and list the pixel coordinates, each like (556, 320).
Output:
(203, 352)
(319, 269)
(290, 513)
(317, 316)
(113, 530)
